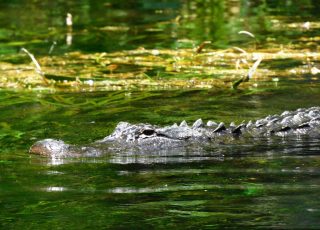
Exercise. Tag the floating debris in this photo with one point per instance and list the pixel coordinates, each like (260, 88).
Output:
(202, 45)
(141, 68)
(246, 33)
(34, 60)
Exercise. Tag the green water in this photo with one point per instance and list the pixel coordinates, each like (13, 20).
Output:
(112, 25)
(241, 187)
(253, 188)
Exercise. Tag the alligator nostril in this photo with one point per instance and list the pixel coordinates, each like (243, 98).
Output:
(148, 132)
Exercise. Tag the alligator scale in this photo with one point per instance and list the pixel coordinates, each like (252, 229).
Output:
(145, 137)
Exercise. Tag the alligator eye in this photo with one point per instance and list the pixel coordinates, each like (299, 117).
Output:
(148, 132)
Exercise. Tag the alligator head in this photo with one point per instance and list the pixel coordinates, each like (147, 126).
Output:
(144, 137)
(149, 135)
(143, 134)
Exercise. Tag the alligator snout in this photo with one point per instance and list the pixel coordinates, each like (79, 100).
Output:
(48, 146)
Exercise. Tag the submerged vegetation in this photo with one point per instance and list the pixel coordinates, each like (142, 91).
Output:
(191, 53)
(140, 68)
(69, 70)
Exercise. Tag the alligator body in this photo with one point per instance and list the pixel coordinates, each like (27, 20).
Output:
(145, 137)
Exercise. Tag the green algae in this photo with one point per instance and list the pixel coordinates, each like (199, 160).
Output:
(188, 46)
(141, 68)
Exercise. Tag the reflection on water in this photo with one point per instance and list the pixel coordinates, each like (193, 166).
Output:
(261, 190)
(237, 192)
(250, 184)
(121, 25)
(55, 189)
(271, 183)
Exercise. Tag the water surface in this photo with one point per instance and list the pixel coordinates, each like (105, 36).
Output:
(226, 186)
(253, 185)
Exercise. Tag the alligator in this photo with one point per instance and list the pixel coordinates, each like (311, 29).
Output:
(303, 122)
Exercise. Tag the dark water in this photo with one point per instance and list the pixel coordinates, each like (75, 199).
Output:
(106, 26)
(253, 186)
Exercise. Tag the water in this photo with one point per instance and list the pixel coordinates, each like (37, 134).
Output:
(261, 185)
(235, 187)
(123, 25)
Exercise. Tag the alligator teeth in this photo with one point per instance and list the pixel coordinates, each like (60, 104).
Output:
(198, 124)
(183, 124)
